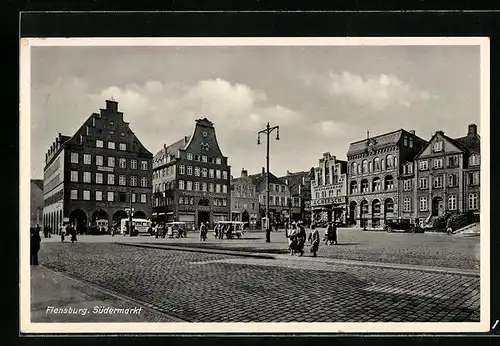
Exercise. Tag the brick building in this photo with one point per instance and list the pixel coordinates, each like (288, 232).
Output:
(329, 190)
(36, 207)
(191, 179)
(447, 177)
(299, 186)
(97, 173)
(374, 167)
(244, 200)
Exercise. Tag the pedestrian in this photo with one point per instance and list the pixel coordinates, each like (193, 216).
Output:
(34, 245)
(45, 231)
(62, 230)
(334, 233)
(301, 238)
(49, 231)
(292, 239)
(314, 240)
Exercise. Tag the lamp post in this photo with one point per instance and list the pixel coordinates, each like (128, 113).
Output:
(267, 131)
(130, 217)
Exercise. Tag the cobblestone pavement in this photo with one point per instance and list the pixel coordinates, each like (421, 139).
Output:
(376, 246)
(201, 287)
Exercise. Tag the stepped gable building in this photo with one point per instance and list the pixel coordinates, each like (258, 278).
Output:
(299, 186)
(278, 198)
(97, 173)
(329, 190)
(447, 177)
(36, 210)
(244, 200)
(191, 179)
(374, 167)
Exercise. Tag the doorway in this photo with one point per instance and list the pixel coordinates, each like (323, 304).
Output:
(437, 206)
(203, 216)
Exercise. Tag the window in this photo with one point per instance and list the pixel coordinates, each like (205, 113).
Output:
(122, 180)
(204, 187)
(111, 161)
(211, 173)
(197, 186)
(474, 160)
(86, 177)
(376, 184)
(354, 187)
(74, 157)
(123, 146)
(74, 176)
(217, 188)
(133, 164)
(423, 165)
(217, 174)
(409, 168)
(354, 168)
(190, 170)
(111, 196)
(407, 204)
(98, 195)
(389, 182)
(86, 195)
(473, 201)
(438, 163)
(452, 180)
(122, 163)
(365, 166)
(438, 182)
(98, 178)
(111, 179)
(407, 185)
(99, 160)
(224, 175)
(133, 198)
(422, 183)
(204, 158)
(224, 203)
(218, 161)
(411, 142)
(144, 182)
(453, 161)
(390, 162)
(224, 188)
(189, 185)
(423, 204)
(204, 172)
(452, 202)
(133, 181)
(143, 198)
(87, 159)
(181, 200)
(74, 194)
(376, 164)
(437, 146)
(111, 145)
(189, 156)
(197, 171)
(122, 197)
(182, 169)
(144, 165)
(405, 140)
(473, 178)
(210, 187)
(99, 143)
(181, 184)
(364, 186)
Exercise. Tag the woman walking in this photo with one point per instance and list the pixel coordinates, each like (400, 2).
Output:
(314, 240)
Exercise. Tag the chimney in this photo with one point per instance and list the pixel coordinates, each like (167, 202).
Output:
(244, 173)
(440, 132)
(111, 106)
(263, 171)
(185, 139)
(472, 130)
(288, 172)
(412, 132)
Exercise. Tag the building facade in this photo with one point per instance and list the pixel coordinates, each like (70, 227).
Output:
(299, 187)
(244, 200)
(329, 190)
(191, 179)
(447, 178)
(36, 207)
(374, 167)
(100, 173)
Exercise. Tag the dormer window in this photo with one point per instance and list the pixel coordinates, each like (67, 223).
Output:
(475, 160)
(438, 146)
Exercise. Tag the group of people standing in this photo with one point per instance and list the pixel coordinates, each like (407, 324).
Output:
(68, 229)
(297, 238)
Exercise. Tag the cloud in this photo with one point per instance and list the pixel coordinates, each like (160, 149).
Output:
(330, 128)
(375, 92)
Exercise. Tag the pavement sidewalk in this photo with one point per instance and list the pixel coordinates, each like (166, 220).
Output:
(56, 297)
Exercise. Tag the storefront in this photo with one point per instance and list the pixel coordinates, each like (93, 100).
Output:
(329, 209)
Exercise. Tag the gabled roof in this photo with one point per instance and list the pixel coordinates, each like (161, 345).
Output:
(380, 141)
(295, 179)
(258, 179)
(180, 144)
(472, 144)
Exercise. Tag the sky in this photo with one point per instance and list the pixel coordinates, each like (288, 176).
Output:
(321, 97)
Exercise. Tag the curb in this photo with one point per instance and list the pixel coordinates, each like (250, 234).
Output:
(436, 270)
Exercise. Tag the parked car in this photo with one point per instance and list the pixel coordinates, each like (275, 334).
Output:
(402, 225)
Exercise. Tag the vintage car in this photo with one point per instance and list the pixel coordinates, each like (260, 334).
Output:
(402, 225)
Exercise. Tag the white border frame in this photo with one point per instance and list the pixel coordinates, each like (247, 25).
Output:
(26, 326)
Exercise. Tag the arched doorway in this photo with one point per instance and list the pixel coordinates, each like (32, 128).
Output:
(437, 206)
(352, 212)
(376, 213)
(99, 222)
(78, 218)
(204, 202)
(140, 215)
(204, 213)
(118, 216)
(388, 209)
(245, 217)
(363, 211)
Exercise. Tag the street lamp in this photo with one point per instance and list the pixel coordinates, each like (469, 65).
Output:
(130, 217)
(267, 131)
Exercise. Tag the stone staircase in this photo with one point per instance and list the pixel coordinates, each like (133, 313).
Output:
(469, 231)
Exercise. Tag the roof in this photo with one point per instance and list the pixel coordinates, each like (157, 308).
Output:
(38, 183)
(472, 144)
(295, 179)
(380, 141)
(180, 144)
(258, 179)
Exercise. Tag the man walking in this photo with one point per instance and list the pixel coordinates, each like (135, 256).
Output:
(34, 246)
